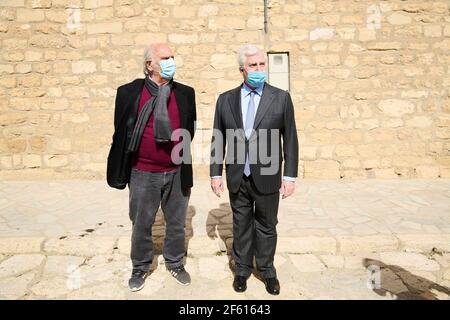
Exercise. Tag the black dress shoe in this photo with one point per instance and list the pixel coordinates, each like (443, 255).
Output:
(240, 284)
(272, 286)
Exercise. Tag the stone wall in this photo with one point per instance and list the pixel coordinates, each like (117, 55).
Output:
(369, 79)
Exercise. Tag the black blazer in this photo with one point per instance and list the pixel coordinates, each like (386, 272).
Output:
(275, 112)
(125, 115)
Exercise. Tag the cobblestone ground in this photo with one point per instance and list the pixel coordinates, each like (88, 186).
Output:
(368, 239)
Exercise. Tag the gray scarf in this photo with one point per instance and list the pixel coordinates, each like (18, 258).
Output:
(162, 127)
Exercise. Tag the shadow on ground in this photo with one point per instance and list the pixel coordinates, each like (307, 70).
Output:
(402, 284)
(219, 224)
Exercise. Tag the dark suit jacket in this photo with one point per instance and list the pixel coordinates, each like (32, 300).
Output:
(275, 112)
(125, 115)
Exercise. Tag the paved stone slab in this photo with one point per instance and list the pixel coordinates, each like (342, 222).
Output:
(307, 263)
(15, 287)
(357, 244)
(409, 260)
(62, 265)
(108, 290)
(203, 245)
(20, 244)
(425, 242)
(80, 246)
(337, 285)
(94, 274)
(53, 288)
(214, 268)
(20, 264)
(307, 244)
(357, 262)
(333, 261)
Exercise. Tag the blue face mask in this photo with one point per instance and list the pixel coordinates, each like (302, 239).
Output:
(167, 68)
(256, 78)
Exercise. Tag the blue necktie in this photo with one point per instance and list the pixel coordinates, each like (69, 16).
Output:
(249, 121)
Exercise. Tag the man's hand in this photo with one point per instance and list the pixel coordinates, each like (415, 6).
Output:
(217, 186)
(287, 188)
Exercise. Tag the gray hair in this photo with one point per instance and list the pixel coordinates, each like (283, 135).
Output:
(148, 55)
(247, 51)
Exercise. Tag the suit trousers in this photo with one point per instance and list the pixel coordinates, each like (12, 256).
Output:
(149, 190)
(254, 229)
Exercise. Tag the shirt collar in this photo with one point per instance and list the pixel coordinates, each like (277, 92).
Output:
(246, 90)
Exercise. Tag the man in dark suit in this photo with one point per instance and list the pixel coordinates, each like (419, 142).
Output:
(249, 123)
(154, 125)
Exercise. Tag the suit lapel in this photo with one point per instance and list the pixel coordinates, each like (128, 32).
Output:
(264, 105)
(235, 106)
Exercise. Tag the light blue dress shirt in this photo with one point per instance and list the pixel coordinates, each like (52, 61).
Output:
(245, 99)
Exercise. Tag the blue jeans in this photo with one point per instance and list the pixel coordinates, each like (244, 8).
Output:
(149, 190)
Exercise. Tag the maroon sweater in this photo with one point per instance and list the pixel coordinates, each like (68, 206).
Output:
(152, 156)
